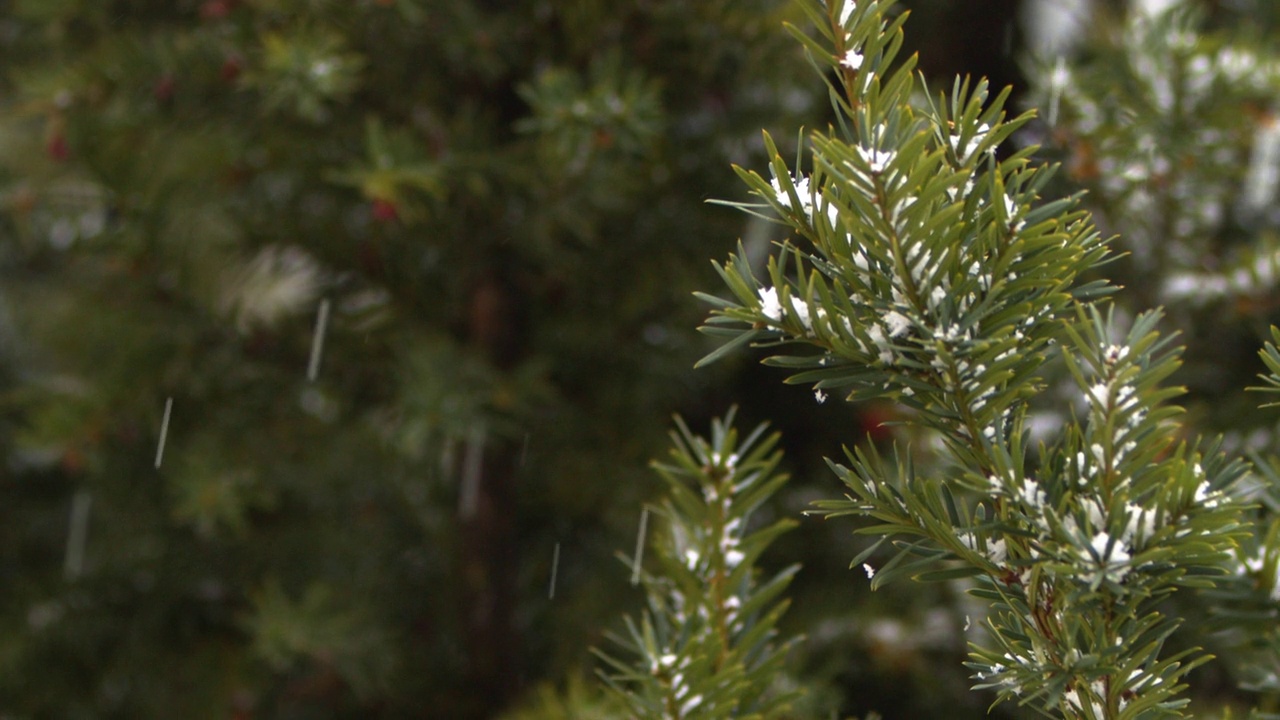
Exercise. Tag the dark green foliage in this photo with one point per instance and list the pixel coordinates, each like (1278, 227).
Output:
(706, 646)
(501, 204)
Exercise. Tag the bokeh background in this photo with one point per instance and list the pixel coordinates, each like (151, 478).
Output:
(414, 280)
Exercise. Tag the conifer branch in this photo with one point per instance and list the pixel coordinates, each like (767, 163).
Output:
(707, 646)
(927, 271)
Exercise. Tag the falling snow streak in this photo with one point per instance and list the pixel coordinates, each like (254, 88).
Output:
(524, 450)
(1059, 77)
(555, 566)
(639, 554)
(164, 431)
(77, 533)
(472, 467)
(317, 340)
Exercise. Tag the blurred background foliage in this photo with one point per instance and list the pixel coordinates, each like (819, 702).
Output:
(500, 209)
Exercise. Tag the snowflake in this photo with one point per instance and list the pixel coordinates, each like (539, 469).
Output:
(852, 59)
(769, 305)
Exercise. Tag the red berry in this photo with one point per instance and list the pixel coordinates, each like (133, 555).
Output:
(57, 147)
(873, 421)
(214, 9)
(73, 460)
(384, 210)
(163, 89)
(231, 68)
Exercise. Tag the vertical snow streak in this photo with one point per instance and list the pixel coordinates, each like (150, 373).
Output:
(639, 554)
(77, 534)
(555, 566)
(317, 340)
(472, 468)
(1055, 27)
(164, 431)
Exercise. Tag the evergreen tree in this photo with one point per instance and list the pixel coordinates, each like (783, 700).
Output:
(929, 272)
(705, 648)
(1166, 117)
(401, 287)
(332, 331)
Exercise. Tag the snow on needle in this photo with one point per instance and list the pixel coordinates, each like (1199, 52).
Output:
(846, 12)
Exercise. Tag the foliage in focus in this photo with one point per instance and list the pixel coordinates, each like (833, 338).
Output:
(930, 271)
(1166, 115)
(706, 647)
